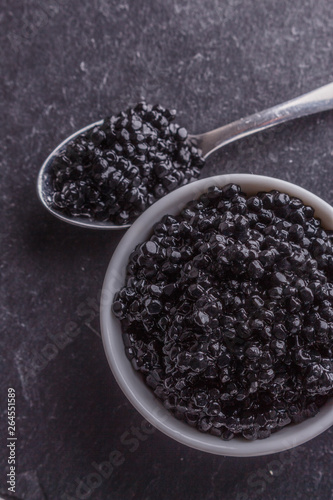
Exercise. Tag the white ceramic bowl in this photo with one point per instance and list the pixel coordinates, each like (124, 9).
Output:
(131, 382)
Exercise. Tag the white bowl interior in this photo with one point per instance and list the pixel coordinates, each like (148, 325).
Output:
(131, 382)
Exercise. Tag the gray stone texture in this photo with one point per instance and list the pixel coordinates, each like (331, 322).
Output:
(65, 64)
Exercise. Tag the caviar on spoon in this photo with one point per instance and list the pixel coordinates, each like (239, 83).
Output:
(106, 174)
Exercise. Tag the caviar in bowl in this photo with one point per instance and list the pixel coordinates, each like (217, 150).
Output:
(132, 382)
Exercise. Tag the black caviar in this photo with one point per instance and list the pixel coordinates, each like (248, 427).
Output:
(227, 312)
(121, 167)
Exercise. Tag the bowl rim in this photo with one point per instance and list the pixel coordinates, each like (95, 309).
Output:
(131, 381)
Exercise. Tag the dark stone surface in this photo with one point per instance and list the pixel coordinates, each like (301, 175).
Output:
(65, 64)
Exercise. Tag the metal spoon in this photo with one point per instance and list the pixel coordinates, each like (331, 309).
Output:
(315, 101)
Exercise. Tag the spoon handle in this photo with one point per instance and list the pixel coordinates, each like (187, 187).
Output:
(315, 101)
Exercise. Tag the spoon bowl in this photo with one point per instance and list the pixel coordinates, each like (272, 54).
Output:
(44, 188)
(316, 101)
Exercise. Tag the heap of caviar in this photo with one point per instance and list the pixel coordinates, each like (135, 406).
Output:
(118, 169)
(227, 312)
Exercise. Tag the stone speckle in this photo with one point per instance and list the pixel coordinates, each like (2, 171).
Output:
(64, 65)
